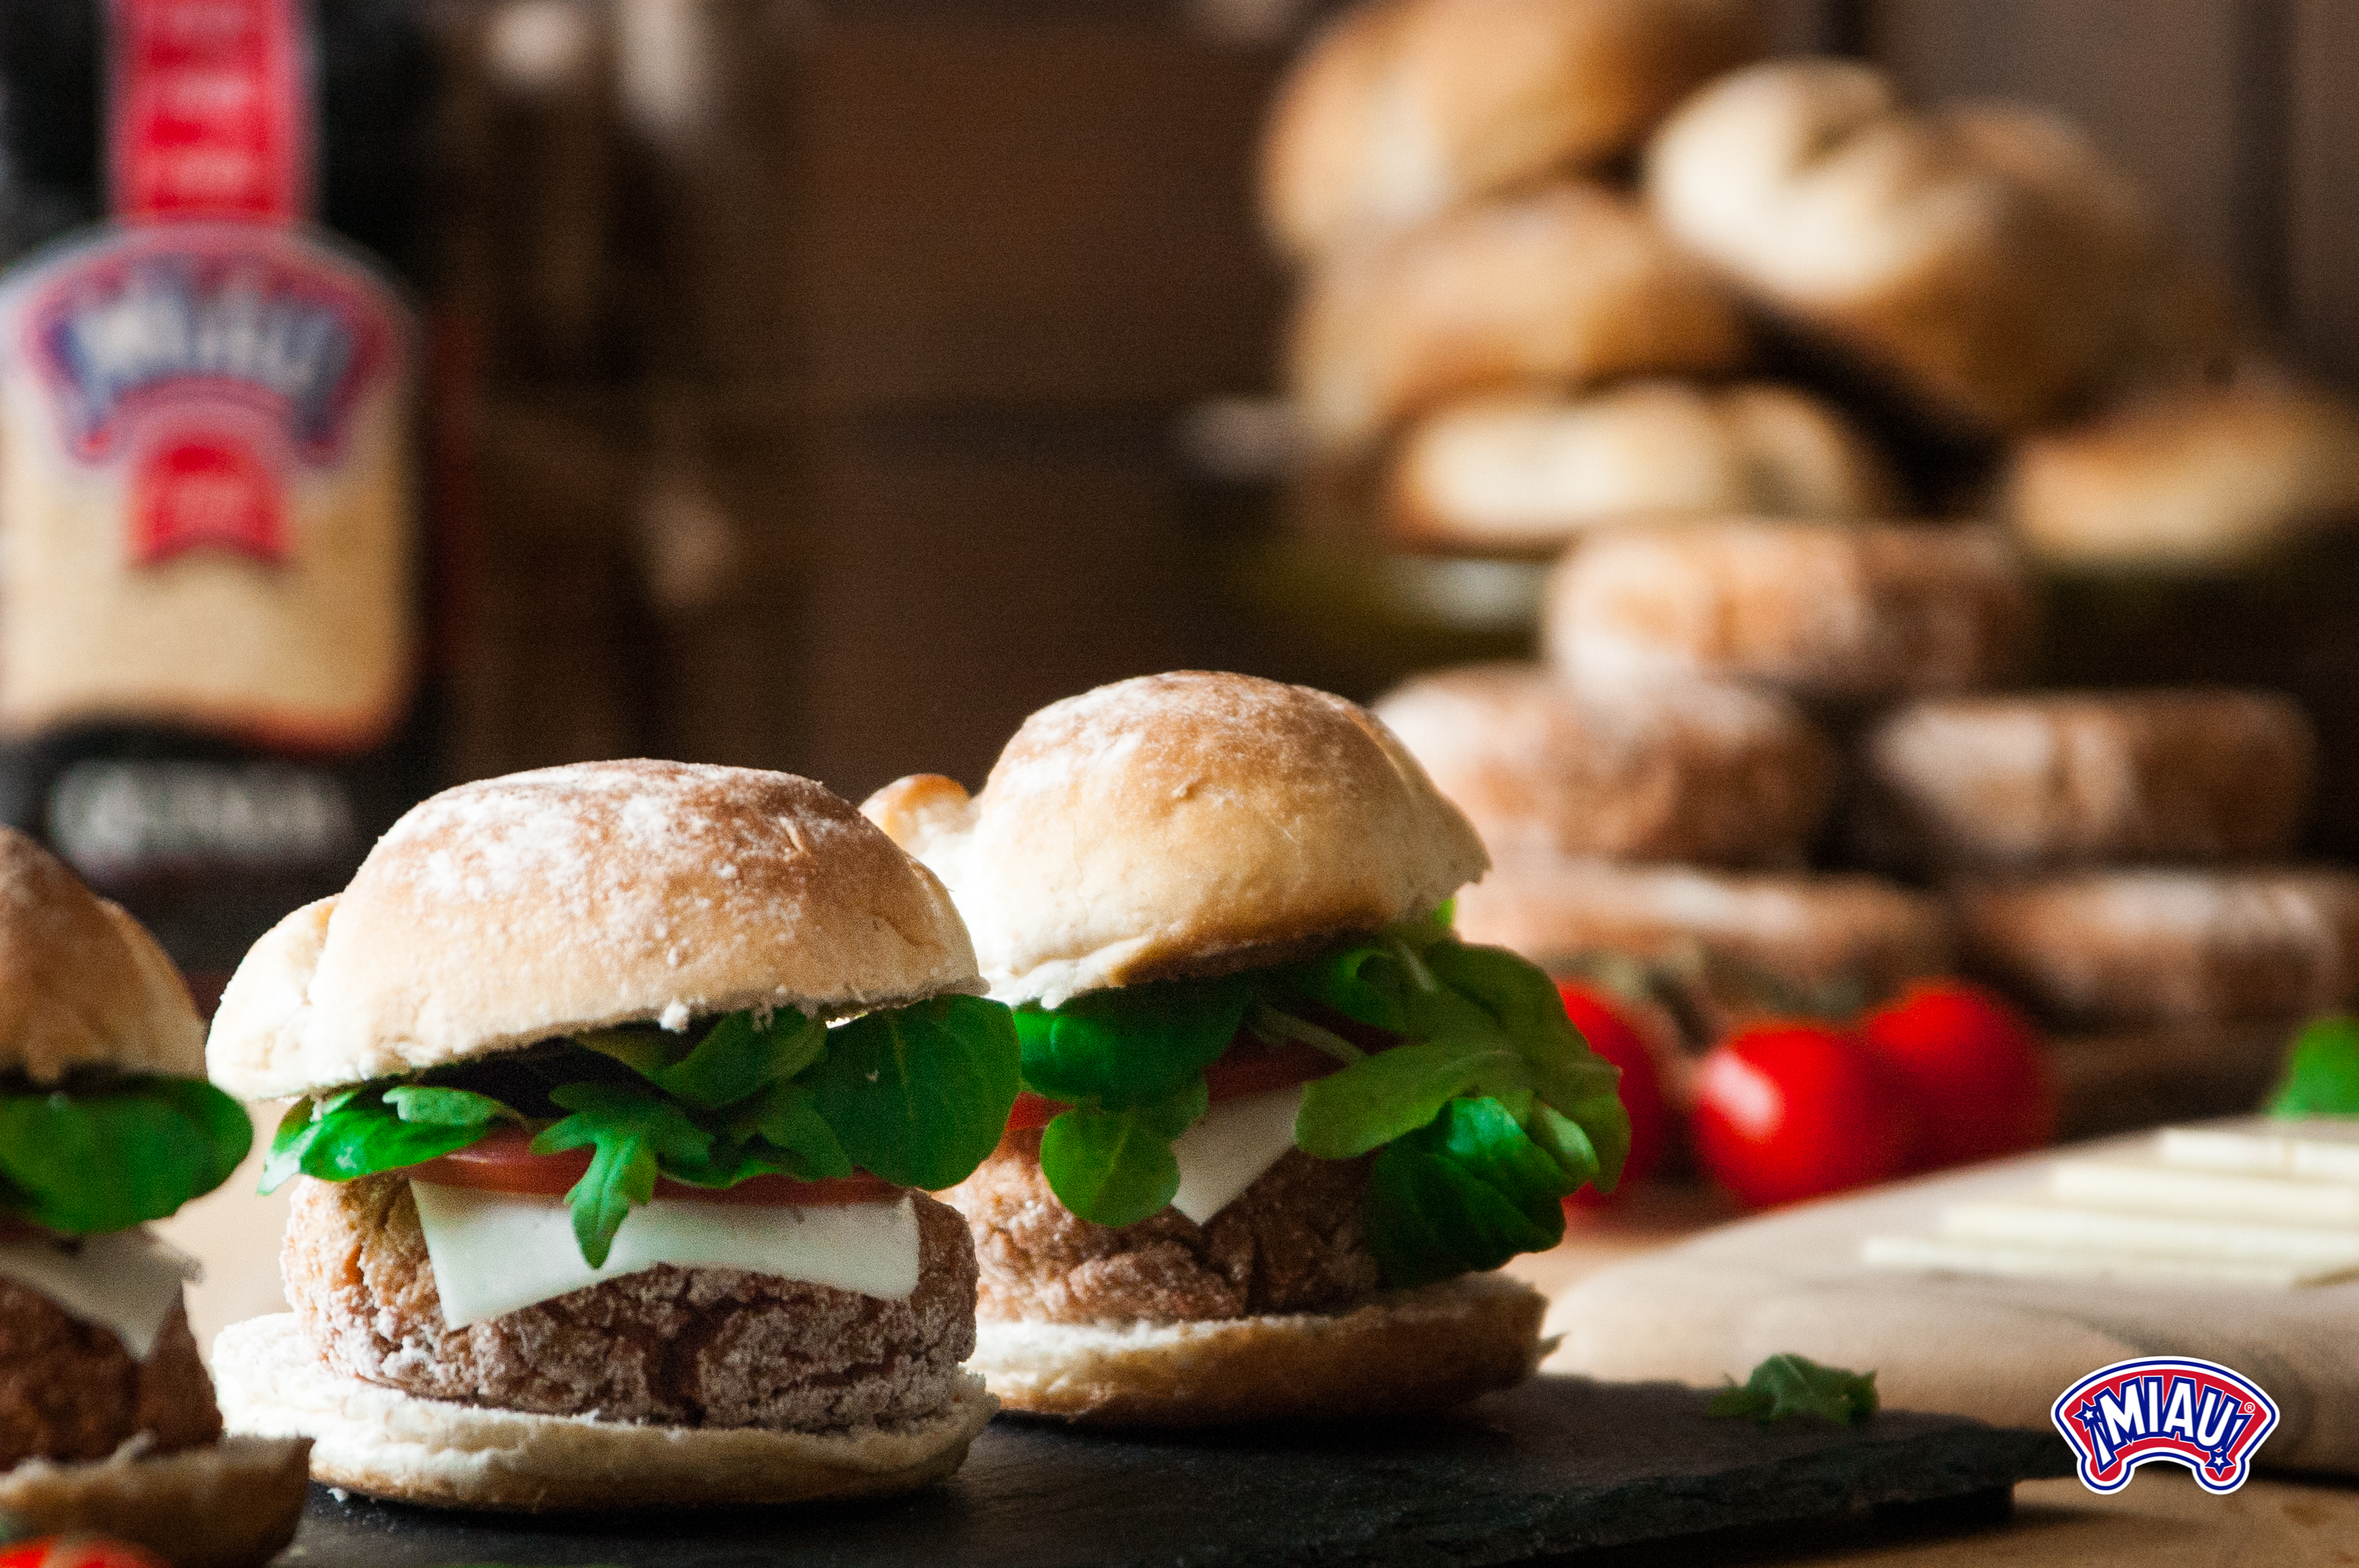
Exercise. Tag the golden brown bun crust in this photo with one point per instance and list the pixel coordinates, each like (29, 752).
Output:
(1401, 1352)
(2170, 946)
(1823, 609)
(1293, 1242)
(1669, 770)
(1176, 818)
(1818, 933)
(1527, 471)
(707, 1347)
(2060, 777)
(505, 912)
(71, 1392)
(2187, 479)
(1986, 260)
(387, 1443)
(81, 983)
(1401, 108)
(1566, 285)
(231, 1504)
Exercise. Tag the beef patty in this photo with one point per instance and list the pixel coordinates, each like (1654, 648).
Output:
(669, 1346)
(1293, 1242)
(69, 1389)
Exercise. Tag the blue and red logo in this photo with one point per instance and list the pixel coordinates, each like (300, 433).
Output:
(2174, 1408)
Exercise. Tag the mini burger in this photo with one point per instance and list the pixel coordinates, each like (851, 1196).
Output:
(107, 1422)
(1278, 1123)
(613, 1085)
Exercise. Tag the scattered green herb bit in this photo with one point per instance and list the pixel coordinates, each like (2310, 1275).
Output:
(2321, 1075)
(108, 1156)
(1788, 1385)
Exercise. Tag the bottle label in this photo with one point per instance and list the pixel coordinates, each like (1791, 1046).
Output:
(209, 109)
(204, 487)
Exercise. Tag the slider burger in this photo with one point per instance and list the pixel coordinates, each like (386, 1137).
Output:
(107, 1422)
(612, 1086)
(1278, 1120)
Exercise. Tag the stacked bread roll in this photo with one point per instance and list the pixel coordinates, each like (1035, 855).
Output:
(1493, 331)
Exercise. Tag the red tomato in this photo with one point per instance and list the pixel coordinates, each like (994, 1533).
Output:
(503, 1163)
(1976, 1067)
(1249, 1066)
(1611, 1036)
(78, 1552)
(1787, 1112)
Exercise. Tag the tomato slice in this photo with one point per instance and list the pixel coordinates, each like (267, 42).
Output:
(505, 1163)
(20, 1230)
(1250, 1066)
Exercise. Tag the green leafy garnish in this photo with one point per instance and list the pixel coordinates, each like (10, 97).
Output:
(917, 1095)
(1485, 1115)
(87, 1159)
(1785, 1386)
(2321, 1075)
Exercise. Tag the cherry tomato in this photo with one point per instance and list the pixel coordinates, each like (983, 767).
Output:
(1788, 1111)
(1976, 1066)
(1611, 1035)
(503, 1163)
(77, 1551)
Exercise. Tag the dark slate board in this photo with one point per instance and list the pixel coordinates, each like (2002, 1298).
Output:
(1559, 1465)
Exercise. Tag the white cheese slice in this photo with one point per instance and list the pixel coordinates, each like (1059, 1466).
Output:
(2038, 1222)
(2151, 1186)
(2326, 1150)
(1226, 1152)
(127, 1282)
(1926, 1253)
(495, 1254)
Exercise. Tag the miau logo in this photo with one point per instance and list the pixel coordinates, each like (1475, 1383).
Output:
(149, 326)
(2174, 1408)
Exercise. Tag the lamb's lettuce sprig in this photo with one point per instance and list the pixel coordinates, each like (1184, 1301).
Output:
(110, 1154)
(1488, 1111)
(915, 1094)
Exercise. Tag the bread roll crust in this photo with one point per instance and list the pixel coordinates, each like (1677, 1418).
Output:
(387, 1443)
(1669, 770)
(1400, 110)
(1830, 610)
(2054, 778)
(2170, 946)
(1183, 819)
(1986, 260)
(81, 984)
(1566, 285)
(1401, 1352)
(231, 1504)
(1530, 470)
(2186, 479)
(502, 912)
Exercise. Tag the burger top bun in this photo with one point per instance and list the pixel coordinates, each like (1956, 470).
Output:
(1986, 260)
(81, 983)
(501, 912)
(1403, 108)
(1184, 824)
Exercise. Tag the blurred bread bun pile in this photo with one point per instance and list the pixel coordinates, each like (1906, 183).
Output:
(1587, 280)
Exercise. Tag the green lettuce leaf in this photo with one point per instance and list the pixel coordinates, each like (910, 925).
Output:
(1123, 1048)
(1788, 1386)
(90, 1159)
(1116, 1167)
(381, 1127)
(737, 1056)
(920, 1094)
(632, 1134)
(2322, 1075)
(1468, 1190)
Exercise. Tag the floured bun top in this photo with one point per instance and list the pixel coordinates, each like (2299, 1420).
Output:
(1184, 824)
(501, 912)
(81, 984)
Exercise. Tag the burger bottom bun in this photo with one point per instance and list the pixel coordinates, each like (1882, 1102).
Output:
(1421, 1349)
(233, 1504)
(387, 1443)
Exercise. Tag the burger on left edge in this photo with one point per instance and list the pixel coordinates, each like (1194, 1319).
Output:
(107, 1422)
(618, 1090)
